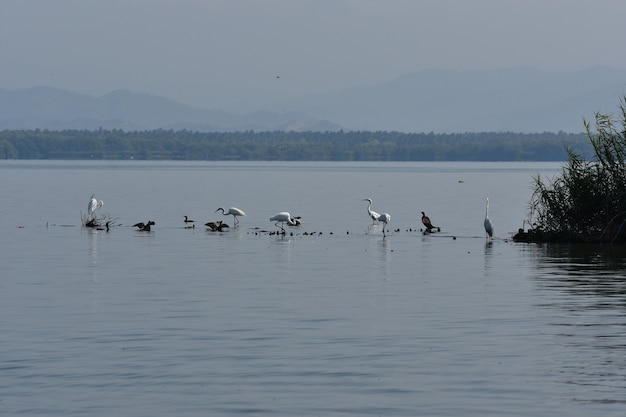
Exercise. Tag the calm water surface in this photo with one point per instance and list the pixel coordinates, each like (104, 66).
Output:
(337, 321)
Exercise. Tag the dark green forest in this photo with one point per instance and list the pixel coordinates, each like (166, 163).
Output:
(288, 146)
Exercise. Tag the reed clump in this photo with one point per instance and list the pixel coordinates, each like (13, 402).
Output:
(587, 201)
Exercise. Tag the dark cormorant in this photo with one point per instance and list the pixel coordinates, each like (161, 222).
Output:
(428, 224)
(217, 226)
(144, 227)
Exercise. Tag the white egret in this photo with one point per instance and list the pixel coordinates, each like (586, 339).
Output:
(488, 224)
(427, 223)
(284, 217)
(233, 211)
(384, 218)
(375, 216)
(93, 206)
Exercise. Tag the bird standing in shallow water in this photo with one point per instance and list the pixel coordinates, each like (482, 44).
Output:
(297, 222)
(428, 224)
(487, 223)
(284, 217)
(217, 226)
(144, 227)
(234, 211)
(384, 218)
(375, 216)
(93, 206)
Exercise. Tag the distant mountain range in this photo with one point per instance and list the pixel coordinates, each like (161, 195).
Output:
(443, 101)
(54, 109)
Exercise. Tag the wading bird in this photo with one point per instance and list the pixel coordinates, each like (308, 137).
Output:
(488, 224)
(144, 227)
(375, 216)
(284, 217)
(217, 226)
(93, 206)
(233, 211)
(384, 218)
(427, 223)
(297, 222)
(106, 226)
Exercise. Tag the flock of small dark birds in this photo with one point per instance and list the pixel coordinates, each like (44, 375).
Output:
(279, 219)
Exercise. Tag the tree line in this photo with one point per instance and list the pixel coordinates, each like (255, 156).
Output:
(163, 144)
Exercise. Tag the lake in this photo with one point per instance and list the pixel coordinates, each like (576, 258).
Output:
(330, 319)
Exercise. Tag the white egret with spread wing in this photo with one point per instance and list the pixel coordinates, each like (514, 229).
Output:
(93, 206)
(233, 211)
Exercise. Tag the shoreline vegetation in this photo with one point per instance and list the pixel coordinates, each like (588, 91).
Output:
(289, 146)
(586, 203)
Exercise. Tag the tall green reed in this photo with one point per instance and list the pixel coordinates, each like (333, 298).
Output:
(588, 198)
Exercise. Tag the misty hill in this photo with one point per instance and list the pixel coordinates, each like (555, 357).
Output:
(55, 109)
(521, 100)
(446, 101)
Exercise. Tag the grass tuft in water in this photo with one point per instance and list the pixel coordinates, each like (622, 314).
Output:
(587, 201)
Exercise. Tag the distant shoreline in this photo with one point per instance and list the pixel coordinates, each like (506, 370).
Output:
(162, 144)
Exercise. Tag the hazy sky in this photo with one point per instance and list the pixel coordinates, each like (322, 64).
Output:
(229, 53)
